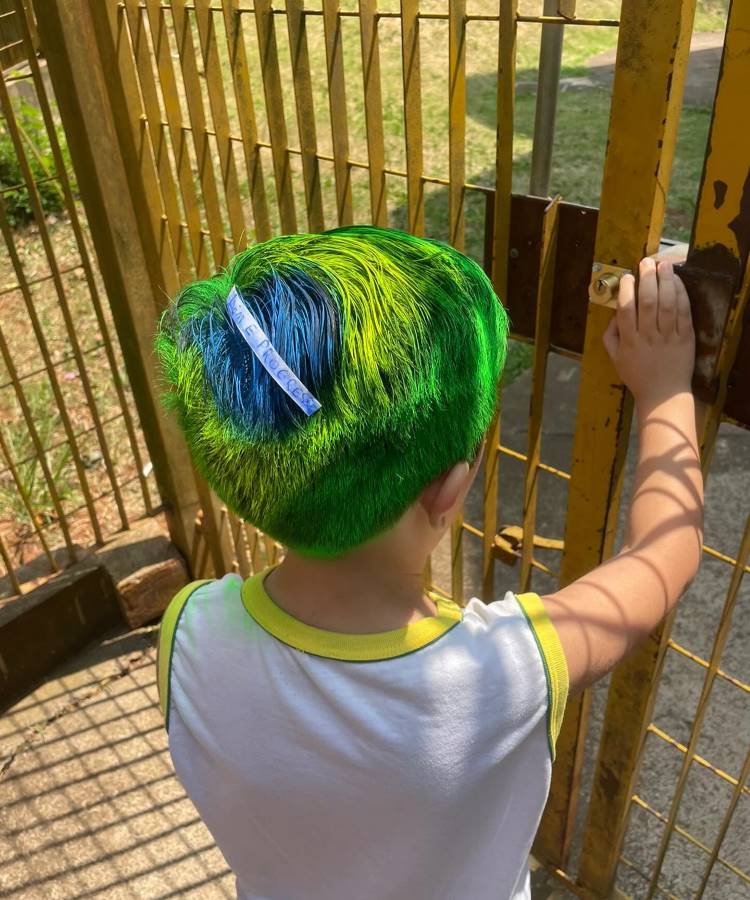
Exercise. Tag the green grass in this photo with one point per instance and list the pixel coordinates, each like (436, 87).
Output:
(33, 484)
(582, 119)
(581, 128)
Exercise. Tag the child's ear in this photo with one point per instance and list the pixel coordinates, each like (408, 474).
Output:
(443, 493)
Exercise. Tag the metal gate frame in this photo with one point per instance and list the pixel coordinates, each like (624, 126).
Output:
(112, 119)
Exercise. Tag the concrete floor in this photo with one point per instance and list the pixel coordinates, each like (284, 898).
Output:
(89, 805)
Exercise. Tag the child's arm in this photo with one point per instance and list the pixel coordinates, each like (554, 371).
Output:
(602, 616)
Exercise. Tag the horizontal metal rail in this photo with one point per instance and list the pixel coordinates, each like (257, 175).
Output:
(22, 187)
(60, 362)
(63, 441)
(639, 871)
(7, 289)
(354, 14)
(543, 466)
(704, 664)
(684, 833)
(673, 742)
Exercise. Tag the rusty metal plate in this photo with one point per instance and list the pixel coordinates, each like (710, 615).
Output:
(711, 284)
(737, 404)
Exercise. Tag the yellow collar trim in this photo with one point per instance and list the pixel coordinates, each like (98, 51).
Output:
(337, 645)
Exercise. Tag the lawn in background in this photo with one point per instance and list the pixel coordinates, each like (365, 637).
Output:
(582, 118)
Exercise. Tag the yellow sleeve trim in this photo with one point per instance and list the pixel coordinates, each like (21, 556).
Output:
(165, 643)
(553, 658)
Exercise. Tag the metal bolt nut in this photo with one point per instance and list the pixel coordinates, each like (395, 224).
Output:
(607, 283)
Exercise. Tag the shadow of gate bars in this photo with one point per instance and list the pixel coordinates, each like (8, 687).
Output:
(195, 128)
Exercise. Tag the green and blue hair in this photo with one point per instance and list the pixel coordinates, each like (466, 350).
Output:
(401, 339)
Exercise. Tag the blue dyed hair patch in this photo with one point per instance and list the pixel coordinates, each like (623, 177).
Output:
(271, 393)
(258, 342)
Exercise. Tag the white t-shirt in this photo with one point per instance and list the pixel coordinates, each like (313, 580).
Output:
(406, 765)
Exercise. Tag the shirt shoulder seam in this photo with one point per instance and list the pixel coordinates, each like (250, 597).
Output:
(165, 643)
(553, 661)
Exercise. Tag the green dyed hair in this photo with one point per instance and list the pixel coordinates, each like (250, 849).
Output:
(401, 339)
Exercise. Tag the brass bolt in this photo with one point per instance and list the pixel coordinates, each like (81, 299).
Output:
(607, 283)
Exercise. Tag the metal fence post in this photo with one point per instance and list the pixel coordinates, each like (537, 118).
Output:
(547, 89)
(717, 269)
(129, 267)
(652, 58)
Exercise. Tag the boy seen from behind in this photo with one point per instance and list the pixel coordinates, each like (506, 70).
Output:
(343, 733)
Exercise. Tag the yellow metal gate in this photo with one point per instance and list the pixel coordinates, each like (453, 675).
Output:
(197, 127)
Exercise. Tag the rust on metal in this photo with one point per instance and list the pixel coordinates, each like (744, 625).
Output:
(652, 54)
(720, 240)
(711, 292)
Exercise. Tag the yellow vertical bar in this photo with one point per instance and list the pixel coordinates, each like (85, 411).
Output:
(269, 62)
(10, 570)
(368, 24)
(246, 113)
(720, 242)
(457, 559)
(506, 86)
(337, 100)
(457, 178)
(201, 142)
(212, 72)
(506, 91)
(412, 114)
(178, 134)
(253, 542)
(98, 117)
(142, 55)
(456, 120)
(240, 545)
(297, 24)
(652, 57)
(547, 256)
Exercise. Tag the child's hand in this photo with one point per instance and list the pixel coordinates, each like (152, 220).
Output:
(652, 345)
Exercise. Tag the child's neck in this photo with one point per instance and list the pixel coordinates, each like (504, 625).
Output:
(357, 594)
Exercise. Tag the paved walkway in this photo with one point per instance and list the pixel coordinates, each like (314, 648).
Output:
(703, 69)
(90, 806)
